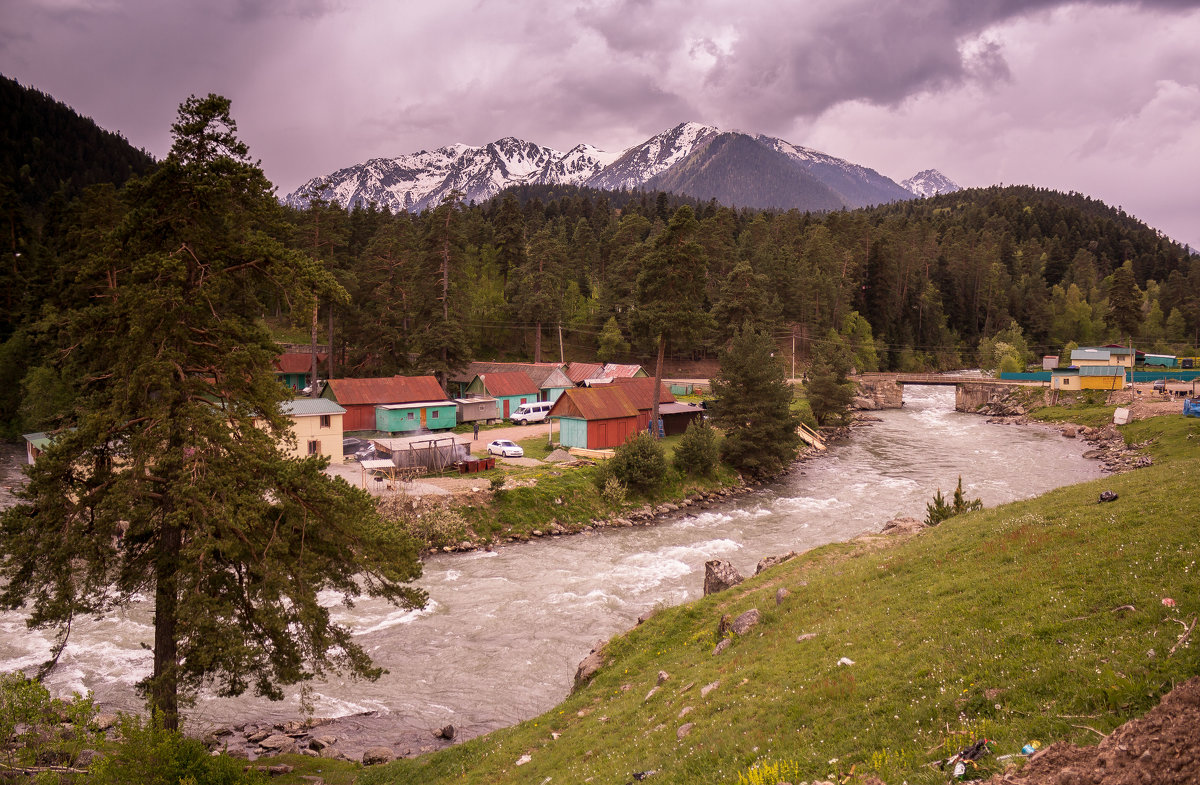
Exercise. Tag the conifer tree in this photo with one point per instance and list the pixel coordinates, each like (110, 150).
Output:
(167, 478)
(670, 292)
(753, 406)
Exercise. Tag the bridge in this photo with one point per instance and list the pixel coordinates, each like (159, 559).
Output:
(886, 390)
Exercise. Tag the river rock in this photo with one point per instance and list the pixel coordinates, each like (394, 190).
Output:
(319, 743)
(1069, 431)
(772, 561)
(781, 595)
(446, 733)
(277, 743)
(722, 646)
(590, 664)
(719, 575)
(377, 755)
(257, 736)
(903, 526)
(743, 623)
(684, 729)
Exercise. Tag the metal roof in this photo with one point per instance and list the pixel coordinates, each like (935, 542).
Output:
(39, 439)
(1101, 370)
(296, 362)
(680, 408)
(641, 391)
(415, 404)
(390, 389)
(594, 403)
(1090, 354)
(310, 407)
(544, 375)
(614, 371)
(508, 383)
(577, 372)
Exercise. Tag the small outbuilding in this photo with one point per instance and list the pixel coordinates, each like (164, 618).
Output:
(509, 388)
(481, 409)
(595, 418)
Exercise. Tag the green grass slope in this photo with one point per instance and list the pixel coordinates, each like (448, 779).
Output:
(1042, 619)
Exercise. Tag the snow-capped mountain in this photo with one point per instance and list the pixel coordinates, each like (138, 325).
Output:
(691, 158)
(930, 182)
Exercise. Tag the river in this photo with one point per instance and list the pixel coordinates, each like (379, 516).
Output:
(504, 629)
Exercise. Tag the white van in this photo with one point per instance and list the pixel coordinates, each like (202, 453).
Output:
(531, 412)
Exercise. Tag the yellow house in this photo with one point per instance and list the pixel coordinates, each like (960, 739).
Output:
(1088, 377)
(317, 423)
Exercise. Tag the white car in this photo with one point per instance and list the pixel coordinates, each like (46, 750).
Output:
(505, 448)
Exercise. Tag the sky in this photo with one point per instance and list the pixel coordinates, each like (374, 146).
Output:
(1097, 97)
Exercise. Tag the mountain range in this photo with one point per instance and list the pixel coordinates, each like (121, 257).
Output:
(696, 160)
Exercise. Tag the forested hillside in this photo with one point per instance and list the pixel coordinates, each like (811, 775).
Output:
(988, 275)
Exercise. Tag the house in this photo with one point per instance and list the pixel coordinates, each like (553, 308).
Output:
(317, 424)
(360, 396)
(1113, 356)
(595, 418)
(509, 388)
(548, 378)
(641, 395)
(35, 445)
(591, 374)
(1049, 362)
(293, 368)
(1088, 377)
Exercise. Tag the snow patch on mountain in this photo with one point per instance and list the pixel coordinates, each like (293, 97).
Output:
(930, 182)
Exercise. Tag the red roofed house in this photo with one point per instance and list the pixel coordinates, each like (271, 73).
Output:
(641, 393)
(595, 418)
(359, 397)
(293, 368)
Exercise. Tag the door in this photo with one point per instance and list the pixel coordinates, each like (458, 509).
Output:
(506, 408)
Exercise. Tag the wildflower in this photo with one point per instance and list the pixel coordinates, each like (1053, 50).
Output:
(1170, 603)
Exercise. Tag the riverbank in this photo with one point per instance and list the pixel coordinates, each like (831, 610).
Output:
(999, 623)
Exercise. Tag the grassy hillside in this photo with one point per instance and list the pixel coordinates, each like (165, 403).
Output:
(1042, 619)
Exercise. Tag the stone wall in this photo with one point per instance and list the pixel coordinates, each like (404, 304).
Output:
(876, 394)
(973, 397)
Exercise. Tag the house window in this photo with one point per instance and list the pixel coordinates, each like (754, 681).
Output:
(325, 418)
(314, 447)
(433, 414)
(410, 416)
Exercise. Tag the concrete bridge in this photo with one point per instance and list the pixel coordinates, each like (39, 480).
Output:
(886, 390)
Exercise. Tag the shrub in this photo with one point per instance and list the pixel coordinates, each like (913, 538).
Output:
(639, 463)
(43, 731)
(697, 452)
(149, 754)
(613, 492)
(938, 511)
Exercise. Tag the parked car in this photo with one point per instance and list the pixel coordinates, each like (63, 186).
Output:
(505, 448)
(1160, 385)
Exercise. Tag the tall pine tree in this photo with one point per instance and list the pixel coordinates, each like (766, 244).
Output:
(167, 478)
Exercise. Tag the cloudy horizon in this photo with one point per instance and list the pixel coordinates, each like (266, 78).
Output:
(1101, 97)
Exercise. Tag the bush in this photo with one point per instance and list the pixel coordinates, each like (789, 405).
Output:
(639, 463)
(151, 755)
(697, 452)
(43, 731)
(613, 492)
(938, 511)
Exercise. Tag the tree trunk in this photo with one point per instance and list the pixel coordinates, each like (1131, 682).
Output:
(312, 381)
(329, 348)
(537, 342)
(164, 685)
(662, 350)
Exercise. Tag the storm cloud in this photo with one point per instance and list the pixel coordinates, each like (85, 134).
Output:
(1097, 97)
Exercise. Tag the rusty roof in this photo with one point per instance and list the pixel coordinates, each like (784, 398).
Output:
(296, 362)
(615, 371)
(641, 391)
(544, 375)
(508, 383)
(594, 403)
(389, 389)
(577, 372)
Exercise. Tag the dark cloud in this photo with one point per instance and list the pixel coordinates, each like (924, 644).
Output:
(322, 84)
